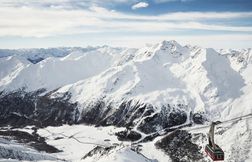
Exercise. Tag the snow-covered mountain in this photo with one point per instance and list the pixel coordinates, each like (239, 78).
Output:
(206, 80)
(149, 89)
(38, 54)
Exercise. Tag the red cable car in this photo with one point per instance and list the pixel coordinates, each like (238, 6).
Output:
(212, 149)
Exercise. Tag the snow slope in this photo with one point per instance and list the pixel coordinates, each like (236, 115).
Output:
(80, 140)
(168, 73)
(53, 72)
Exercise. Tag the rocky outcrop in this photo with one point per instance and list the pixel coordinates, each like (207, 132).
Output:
(178, 145)
(98, 151)
(20, 145)
(19, 109)
(167, 117)
(129, 114)
(34, 140)
(128, 135)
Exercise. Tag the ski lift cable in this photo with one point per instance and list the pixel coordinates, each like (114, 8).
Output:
(188, 128)
(238, 118)
(223, 122)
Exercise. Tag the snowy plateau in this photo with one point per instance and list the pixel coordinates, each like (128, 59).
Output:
(107, 104)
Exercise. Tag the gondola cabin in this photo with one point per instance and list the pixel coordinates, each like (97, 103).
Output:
(216, 154)
(212, 149)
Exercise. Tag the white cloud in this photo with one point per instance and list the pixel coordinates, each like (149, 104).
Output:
(164, 1)
(43, 19)
(41, 22)
(140, 5)
(66, 4)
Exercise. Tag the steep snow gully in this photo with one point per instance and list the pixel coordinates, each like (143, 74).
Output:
(148, 93)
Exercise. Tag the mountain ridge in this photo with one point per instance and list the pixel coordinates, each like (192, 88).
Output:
(150, 74)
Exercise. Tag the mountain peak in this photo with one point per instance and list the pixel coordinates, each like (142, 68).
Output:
(170, 43)
(169, 46)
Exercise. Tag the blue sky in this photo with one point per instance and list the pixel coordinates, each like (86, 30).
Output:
(132, 23)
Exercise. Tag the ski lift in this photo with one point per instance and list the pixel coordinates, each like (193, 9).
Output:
(212, 149)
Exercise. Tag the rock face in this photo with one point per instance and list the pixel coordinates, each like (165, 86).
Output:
(21, 155)
(98, 150)
(198, 118)
(178, 145)
(33, 140)
(166, 118)
(130, 114)
(24, 146)
(128, 135)
(19, 109)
